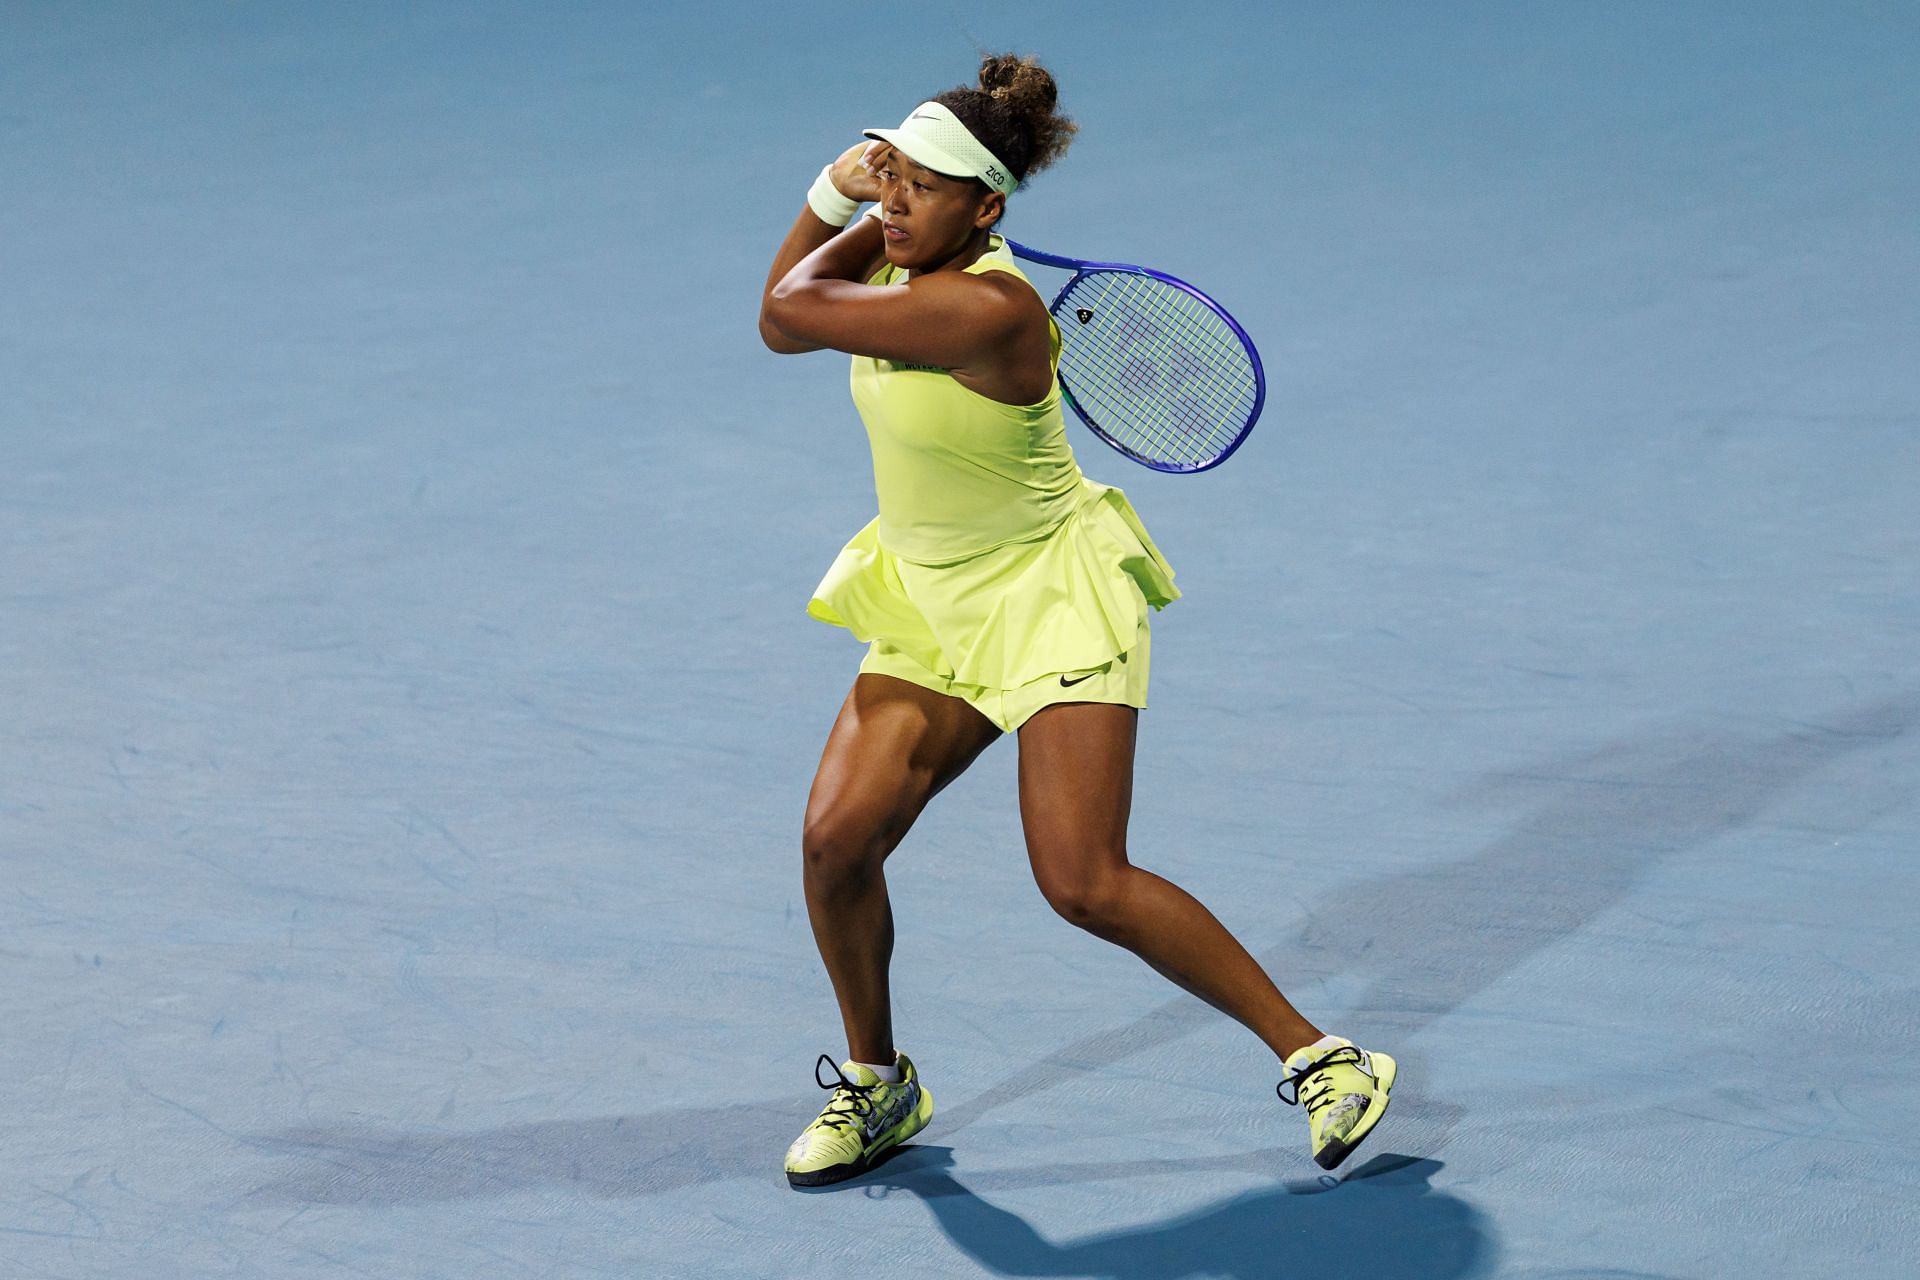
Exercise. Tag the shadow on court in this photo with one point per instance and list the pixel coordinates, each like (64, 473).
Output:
(1433, 938)
(1382, 1219)
(1427, 939)
(622, 1157)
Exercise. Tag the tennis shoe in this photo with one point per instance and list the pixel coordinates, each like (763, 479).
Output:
(1344, 1089)
(865, 1118)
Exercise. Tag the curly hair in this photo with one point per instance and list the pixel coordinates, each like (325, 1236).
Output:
(1013, 113)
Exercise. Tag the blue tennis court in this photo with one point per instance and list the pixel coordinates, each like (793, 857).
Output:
(407, 703)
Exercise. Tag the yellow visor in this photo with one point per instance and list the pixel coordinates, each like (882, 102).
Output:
(934, 137)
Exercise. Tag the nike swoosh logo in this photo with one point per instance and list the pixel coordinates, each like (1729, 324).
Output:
(879, 1124)
(1068, 684)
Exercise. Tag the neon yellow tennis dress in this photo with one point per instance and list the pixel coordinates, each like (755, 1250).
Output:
(995, 571)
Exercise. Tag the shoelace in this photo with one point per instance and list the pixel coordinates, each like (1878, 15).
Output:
(841, 1112)
(1320, 1093)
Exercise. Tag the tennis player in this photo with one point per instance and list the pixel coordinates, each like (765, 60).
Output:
(999, 590)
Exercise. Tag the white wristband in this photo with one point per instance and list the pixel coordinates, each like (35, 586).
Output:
(827, 203)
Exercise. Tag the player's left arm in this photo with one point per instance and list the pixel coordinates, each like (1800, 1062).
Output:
(947, 319)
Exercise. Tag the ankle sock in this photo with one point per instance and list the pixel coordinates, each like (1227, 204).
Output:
(1325, 1044)
(889, 1074)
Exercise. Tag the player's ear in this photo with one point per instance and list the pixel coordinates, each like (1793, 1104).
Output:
(992, 205)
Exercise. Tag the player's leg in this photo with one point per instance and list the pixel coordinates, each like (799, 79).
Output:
(1076, 793)
(892, 749)
(894, 746)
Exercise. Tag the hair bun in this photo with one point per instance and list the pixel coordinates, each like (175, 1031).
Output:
(1014, 113)
(1021, 83)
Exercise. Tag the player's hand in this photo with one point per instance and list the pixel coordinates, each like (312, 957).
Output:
(856, 172)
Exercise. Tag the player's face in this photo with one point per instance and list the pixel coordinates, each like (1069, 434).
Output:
(928, 217)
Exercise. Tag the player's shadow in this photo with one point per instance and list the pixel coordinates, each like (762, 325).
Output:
(1425, 941)
(1383, 1219)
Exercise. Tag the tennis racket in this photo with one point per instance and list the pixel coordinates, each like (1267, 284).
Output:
(1153, 366)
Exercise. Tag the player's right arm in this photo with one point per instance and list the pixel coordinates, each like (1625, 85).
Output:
(855, 179)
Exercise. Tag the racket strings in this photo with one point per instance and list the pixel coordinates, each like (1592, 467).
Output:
(1167, 357)
(1158, 370)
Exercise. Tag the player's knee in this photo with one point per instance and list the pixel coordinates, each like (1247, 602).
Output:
(1094, 901)
(841, 844)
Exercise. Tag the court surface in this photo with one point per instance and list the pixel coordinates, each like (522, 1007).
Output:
(407, 704)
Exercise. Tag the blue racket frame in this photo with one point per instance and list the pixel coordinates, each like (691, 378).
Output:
(1083, 269)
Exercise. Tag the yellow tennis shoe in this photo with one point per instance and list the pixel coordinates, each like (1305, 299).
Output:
(865, 1118)
(1344, 1089)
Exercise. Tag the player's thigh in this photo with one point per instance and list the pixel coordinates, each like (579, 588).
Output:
(1076, 791)
(893, 747)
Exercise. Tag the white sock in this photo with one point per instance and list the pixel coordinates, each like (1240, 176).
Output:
(889, 1074)
(1314, 1050)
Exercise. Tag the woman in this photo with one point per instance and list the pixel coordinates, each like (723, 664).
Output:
(1000, 590)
